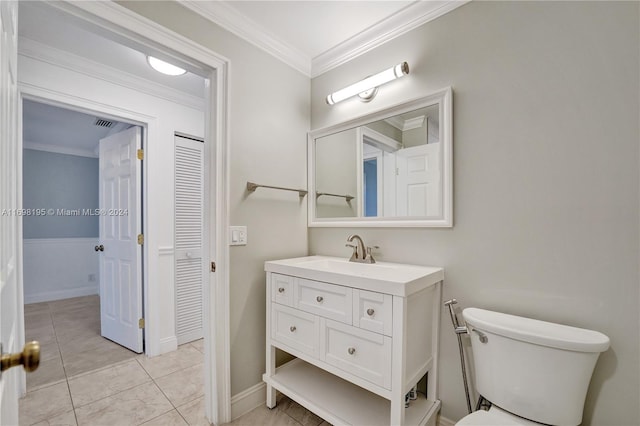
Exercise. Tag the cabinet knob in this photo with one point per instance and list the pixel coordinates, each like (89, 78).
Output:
(319, 299)
(281, 290)
(351, 351)
(292, 328)
(370, 311)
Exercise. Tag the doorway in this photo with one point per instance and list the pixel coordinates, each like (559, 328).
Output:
(65, 280)
(109, 18)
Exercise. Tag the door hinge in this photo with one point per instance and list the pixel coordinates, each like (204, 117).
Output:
(140, 239)
(141, 323)
(140, 154)
(213, 266)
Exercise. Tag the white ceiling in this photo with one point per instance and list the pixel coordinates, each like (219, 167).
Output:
(50, 128)
(315, 36)
(310, 35)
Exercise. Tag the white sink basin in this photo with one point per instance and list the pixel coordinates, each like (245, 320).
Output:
(393, 278)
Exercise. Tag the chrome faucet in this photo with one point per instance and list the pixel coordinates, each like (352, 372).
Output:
(361, 253)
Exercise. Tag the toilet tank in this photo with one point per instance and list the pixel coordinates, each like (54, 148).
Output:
(535, 369)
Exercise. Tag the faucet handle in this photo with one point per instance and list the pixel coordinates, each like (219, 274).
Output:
(369, 256)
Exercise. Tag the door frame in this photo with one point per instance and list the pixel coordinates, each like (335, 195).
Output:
(130, 27)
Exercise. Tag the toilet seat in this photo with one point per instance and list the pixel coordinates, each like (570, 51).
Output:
(494, 417)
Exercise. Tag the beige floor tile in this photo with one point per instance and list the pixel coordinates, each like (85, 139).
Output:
(106, 382)
(49, 372)
(44, 333)
(184, 385)
(95, 359)
(64, 304)
(65, 419)
(298, 412)
(32, 308)
(68, 332)
(198, 344)
(130, 407)
(193, 412)
(172, 418)
(37, 319)
(85, 343)
(186, 356)
(45, 403)
(262, 416)
(49, 350)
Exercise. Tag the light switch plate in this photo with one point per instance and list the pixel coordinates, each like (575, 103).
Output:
(237, 235)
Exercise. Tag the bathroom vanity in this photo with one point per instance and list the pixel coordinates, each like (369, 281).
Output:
(363, 336)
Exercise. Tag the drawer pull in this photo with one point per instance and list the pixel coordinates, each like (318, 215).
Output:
(370, 312)
(351, 351)
(281, 290)
(319, 299)
(292, 328)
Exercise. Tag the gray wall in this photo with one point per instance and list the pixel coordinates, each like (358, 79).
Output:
(269, 119)
(59, 181)
(546, 174)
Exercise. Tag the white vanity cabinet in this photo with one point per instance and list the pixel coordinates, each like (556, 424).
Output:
(363, 336)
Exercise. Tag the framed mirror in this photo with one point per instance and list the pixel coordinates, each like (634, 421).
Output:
(391, 168)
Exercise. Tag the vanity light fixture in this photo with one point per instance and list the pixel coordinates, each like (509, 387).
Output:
(368, 88)
(164, 67)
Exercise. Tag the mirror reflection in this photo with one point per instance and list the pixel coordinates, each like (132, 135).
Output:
(386, 168)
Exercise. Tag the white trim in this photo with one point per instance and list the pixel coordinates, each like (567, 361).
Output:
(405, 20)
(166, 251)
(48, 296)
(404, 125)
(248, 399)
(58, 149)
(235, 22)
(128, 25)
(45, 53)
(168, 344)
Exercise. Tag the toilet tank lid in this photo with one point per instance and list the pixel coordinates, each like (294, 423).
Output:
(537, 332)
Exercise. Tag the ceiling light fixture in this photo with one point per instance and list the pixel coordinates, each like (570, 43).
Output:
(164, 67)
(368, 88)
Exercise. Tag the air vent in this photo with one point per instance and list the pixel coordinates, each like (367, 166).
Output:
(101, 122)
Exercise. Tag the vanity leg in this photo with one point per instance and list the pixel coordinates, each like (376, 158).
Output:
(271, 369)
(397, 410)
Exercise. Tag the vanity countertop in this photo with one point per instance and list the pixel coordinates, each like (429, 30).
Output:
(383, 277)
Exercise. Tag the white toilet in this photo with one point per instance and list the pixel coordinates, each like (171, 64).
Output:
(532, 371)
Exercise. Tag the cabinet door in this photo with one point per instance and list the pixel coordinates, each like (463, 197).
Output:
(282, 289)
(359, 352)
(296, 329)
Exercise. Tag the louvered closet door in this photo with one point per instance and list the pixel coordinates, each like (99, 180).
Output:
(189, 238)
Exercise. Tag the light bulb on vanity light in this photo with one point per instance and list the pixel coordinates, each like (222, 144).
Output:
(368, 88)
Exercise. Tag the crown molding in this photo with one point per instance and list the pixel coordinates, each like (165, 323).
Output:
(403, 21)
(59, 149)
(404, 125)
(412, 16)
(233, 21)
(61, 58)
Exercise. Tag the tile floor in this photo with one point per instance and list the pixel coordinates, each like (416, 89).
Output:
(85, 379)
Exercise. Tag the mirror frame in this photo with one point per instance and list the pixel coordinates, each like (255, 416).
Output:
(444, 98)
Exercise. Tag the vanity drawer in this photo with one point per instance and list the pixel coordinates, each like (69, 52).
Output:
(282, 289)
(296, 329)
(327, 300)
(359, 352)
(373, 311)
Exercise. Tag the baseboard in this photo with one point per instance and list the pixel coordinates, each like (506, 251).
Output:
(443, 421)
(61, 294)
(167, 344)
(247, 400)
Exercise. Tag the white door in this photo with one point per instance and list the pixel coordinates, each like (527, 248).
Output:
(418, 181)
(9, 324)
(120, 225)
(189, 238)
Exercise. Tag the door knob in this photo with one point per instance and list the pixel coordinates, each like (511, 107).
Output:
(99, 248)
(29, 358)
